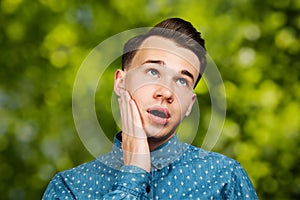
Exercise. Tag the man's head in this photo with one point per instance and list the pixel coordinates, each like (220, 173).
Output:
(160, 70)
(179, 31)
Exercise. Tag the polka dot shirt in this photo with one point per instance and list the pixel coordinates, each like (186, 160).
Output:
(179, 171)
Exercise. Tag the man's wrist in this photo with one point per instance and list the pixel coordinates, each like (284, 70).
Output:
(134, 180)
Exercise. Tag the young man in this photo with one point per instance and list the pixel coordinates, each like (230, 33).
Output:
(155, 90)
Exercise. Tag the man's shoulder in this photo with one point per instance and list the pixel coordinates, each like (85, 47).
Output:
(203, 156)
(80, 179)
(84, 169)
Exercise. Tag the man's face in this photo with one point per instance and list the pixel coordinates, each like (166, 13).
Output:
(160, 80)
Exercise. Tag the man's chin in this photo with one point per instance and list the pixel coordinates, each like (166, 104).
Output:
(158, 134)
(154, 131)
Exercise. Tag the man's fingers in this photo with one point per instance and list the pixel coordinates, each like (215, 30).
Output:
(137, 121)
(130, 116)
(125, 112)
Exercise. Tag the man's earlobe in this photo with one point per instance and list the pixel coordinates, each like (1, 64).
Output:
(119, 81)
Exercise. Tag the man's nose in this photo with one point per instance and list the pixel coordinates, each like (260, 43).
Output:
(165, 94)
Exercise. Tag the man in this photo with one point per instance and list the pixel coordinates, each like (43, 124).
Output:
(155, 92)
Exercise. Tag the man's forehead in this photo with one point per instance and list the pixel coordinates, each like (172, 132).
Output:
(167, 45)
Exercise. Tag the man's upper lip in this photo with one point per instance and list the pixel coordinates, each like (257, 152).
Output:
(160, 109)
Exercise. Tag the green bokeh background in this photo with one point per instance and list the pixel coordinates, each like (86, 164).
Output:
(255, 45)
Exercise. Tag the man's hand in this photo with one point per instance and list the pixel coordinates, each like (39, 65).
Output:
(134, 139)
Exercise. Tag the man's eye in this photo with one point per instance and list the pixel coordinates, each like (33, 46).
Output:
(182, 82)
(153, 72)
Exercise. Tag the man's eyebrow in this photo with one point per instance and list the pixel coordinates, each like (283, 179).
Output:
(187, 73)
(160, 62)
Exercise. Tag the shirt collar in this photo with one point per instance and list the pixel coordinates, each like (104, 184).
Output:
(160, 157)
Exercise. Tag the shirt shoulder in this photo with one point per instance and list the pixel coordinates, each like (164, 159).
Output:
(196, 154)
(85, 168)
(211, 163)
(91, 179)
(214, 167)
(76, 177)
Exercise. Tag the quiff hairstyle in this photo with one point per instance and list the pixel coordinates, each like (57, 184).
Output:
(181, 32)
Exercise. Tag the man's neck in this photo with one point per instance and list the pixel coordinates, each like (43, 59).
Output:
(154, 143)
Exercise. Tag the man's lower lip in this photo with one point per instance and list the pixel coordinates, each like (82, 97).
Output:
(158, 120)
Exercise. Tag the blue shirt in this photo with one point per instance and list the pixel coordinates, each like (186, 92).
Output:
(178, 171)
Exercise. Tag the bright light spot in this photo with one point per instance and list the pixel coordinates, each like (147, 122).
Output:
(61, 36)
(285, 38)
(59, 58)
(246, 56)
(252, 32)
(269, 94)
(231, 129)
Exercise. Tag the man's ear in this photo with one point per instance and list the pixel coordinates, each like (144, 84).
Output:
(189, 110)
(119, 81)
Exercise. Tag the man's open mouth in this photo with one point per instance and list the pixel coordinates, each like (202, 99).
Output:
(159, 115)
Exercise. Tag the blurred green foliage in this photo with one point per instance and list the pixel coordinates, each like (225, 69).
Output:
(255, 45)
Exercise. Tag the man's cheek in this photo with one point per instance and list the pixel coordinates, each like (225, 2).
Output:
(182, 107)
(134, 84)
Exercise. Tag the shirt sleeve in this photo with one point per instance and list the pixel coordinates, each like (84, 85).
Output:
(131, 183)
(241, 186)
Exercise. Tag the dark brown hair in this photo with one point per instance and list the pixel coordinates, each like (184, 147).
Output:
(178, 30)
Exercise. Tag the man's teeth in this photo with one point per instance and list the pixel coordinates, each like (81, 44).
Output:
(158, 113)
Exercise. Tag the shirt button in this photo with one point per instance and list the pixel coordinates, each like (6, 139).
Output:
(159, 165)
(148, 189)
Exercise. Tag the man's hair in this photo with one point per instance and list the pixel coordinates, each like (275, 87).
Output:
(178, 30)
